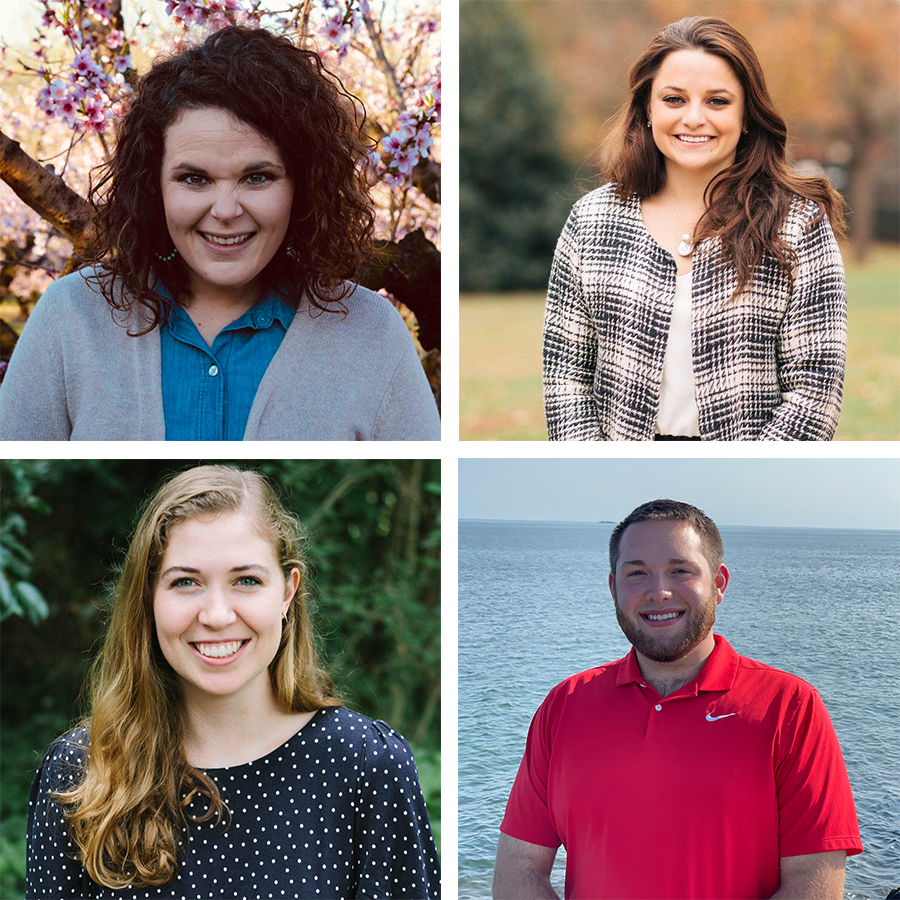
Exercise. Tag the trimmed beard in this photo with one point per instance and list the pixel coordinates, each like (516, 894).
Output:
(698, 624)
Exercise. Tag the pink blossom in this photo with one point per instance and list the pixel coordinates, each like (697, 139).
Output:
(82, 63)
(123, 63)
(392, 143)
(405, 160)
(115, 38)
(406, 128)
(185, 12)
(334, 28)
(424, 140)
(67, 111)
(96, 98)
(46, 102)
(57, 90)
(96, 116)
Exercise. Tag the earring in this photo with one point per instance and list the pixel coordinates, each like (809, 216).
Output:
(746, 131)
(168, 258)
(290, 251)
(648, 124)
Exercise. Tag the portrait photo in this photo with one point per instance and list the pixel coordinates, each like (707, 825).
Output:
(221, 679)
(676, 678)
(220, 221)
(679, 220)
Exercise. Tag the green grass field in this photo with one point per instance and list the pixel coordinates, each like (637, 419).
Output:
(500, 359)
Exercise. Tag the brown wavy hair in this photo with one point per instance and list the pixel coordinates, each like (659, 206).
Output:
(748, 202)
(287, 95)
(128, 811)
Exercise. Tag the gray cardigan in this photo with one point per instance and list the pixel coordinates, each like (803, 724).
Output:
(76, 374)
(769, 364)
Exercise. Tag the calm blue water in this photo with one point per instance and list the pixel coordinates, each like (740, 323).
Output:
(534, 608)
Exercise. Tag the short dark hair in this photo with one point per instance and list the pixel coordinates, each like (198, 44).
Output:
(671, 511)
(290, 98)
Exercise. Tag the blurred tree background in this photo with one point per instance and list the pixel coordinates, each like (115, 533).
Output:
(515, 185)
(374, 544)
(539, 78)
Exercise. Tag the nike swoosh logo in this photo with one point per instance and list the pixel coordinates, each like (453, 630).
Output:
(710, 718)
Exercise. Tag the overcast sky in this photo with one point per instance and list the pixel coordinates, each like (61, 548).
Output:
(839, 493)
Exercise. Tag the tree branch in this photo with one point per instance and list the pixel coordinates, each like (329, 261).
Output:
(389, 74)
(426, 177)
(411, 271)
(47, 194)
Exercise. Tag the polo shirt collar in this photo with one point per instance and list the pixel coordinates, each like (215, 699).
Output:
(717, 674)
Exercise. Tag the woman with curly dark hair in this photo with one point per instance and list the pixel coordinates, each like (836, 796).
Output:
(700, 294)
(231, 219)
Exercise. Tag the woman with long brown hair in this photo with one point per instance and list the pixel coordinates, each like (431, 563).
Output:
(219, 302)
(217, 759)
(699, 295)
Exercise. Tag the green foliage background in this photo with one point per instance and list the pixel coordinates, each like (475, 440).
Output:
(515, 184)
(374, 545)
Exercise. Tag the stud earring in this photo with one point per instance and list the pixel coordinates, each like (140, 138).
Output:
(290, 251)
(648, 124)
(168, 258)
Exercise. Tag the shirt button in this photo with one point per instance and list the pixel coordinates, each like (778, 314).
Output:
(657, 707)
(213, 370)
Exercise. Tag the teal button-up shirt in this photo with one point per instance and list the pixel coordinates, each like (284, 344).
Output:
(208, 391)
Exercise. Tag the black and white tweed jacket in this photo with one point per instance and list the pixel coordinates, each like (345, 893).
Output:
(768, 364)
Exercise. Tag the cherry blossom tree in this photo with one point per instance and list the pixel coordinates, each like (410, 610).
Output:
(58, 124)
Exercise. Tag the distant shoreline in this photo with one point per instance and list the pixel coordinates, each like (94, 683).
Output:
(465, 520)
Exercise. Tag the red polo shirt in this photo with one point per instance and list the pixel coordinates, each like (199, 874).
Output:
(695, 795)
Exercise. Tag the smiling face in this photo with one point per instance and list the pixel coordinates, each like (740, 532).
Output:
(665, 592)
(218, 603)
(227, 198)
(697, 112)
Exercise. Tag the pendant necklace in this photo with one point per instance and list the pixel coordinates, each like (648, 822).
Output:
(686, 246)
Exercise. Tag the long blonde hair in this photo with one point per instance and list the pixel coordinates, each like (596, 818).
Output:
(127, 814)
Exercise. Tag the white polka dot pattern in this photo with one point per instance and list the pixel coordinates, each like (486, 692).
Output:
(336, 812)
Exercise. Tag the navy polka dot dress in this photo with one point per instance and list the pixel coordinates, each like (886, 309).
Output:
(335, 812)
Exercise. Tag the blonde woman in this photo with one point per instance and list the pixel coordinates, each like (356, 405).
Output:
(217, 760)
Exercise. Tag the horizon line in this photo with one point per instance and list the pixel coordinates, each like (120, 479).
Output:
(610, 522)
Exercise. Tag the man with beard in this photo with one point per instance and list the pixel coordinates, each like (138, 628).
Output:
(683, 770)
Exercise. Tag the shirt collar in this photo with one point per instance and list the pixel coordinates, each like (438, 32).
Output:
(260, 316)
(717, 674)
(265, 311)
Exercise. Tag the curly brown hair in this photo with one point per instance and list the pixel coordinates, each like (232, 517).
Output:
(747, 202)
(288, 96)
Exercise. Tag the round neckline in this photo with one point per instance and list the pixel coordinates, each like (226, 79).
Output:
(279, 749)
